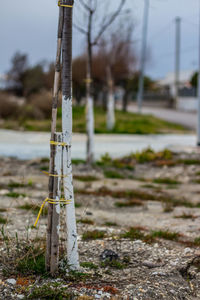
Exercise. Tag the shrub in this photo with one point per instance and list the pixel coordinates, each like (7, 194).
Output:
(8, 107)
(42, 102)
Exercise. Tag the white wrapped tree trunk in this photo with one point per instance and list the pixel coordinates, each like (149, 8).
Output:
(72, 246)
(110, 102)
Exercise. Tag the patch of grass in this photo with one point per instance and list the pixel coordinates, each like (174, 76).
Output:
(149, 155)
(78, 161)
(44, 168)
(166, 181)
(16, 184)
(141, 195)
(185, 216)
(77, 205)
(34, 208)
(148, 186)
(189, 161)
(197, 241)
(44, 160)
(53, 290)
(113, 174)
(89, 265)
(15, 195)
(86, 221)
(93, 235)
(118, 163)
(167, 235)
(126, 122)
(110, 224)
(133, 202)
(3, 220)
(113, 264)
(32, 263)
(30, 183)
(136, 234)
(86, 178)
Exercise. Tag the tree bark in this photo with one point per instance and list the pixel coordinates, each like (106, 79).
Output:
(89, 99)
(72, 245)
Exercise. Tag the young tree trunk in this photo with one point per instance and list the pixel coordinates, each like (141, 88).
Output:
(110, 102)
(72, 246)
(125, 101)
(52, 189)
(89, 99)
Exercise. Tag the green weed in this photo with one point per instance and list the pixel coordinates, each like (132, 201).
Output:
(15, 195)
(86, 221)
(89, 265)
(93, 235)
(167, 235)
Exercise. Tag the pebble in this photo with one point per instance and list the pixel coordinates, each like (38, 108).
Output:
(20, 296)
(11, 281)
(187, 250)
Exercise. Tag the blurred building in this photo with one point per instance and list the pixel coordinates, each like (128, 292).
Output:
(184, 84)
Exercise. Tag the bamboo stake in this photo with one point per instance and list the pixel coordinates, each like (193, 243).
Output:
(56, 207)
(72, 247)
(52, 147)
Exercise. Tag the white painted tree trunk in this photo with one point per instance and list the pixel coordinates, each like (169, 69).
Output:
(90, 129)
(110, 111)
(72, 245)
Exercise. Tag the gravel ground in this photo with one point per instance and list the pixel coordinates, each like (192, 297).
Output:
(157, 269)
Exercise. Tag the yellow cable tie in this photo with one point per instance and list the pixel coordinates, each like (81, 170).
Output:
(51, 201)
(64, 5)
(88, 80)
(54, 175)
(58, 143)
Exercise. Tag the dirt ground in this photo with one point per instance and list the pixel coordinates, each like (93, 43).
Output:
(147, 213)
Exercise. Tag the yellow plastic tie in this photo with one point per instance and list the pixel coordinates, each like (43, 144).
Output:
(64, 5)
(51, 201)
(58, 143)
(54, 175)
(88, 80)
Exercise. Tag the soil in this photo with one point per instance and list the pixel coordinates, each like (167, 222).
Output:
(157, 269)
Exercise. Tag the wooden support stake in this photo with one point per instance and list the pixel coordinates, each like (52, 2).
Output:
(52, 147)
(56, 207)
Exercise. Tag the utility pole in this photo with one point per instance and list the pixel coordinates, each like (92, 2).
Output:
(198, 121)
(177, 59)
(143, 56)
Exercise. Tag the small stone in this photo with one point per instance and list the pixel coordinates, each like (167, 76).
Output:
(109, 255)
(20, 296)
(187, 250)
(11, 281)
(88, 213)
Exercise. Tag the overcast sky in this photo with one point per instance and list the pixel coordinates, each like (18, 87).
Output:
(31, 26)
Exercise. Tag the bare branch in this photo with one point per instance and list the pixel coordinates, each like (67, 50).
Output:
(80, 29)
(86, 6)
(109, 22)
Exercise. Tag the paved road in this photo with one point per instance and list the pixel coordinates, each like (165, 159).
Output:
(186, 119)
(28, 145)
